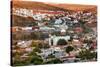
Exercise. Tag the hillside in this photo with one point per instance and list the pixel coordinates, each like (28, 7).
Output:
(18, 21)
(35, 5)
(75, 7)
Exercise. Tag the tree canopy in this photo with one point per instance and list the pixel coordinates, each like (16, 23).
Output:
(61, 42)
(69, 48)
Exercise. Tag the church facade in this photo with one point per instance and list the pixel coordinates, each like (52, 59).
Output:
(53, 40)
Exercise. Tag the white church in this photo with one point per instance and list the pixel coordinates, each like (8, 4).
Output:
(53, 40)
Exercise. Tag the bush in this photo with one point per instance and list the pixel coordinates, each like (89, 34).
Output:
(61, 42)
(69, 48)
(36, 60)
(87, 55)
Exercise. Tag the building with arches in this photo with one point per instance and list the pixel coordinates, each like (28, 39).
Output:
(53, 40)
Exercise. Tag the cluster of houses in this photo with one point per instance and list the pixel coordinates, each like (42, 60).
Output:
(36, 14)
(68, 26)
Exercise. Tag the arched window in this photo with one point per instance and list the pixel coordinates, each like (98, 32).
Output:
(52, 42)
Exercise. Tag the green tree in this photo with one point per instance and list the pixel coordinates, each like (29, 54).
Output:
(36, 49)
(19, 62)
(36, 60)
(34, 44)
(61, 42)
(87, 55)
(69, 48)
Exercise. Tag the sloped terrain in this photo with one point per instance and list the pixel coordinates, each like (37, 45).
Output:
(34, 5)
(75, 7)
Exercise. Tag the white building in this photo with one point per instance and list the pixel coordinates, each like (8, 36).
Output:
(54, 39)
(24, 44)
(23, 12)
(26, 28)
